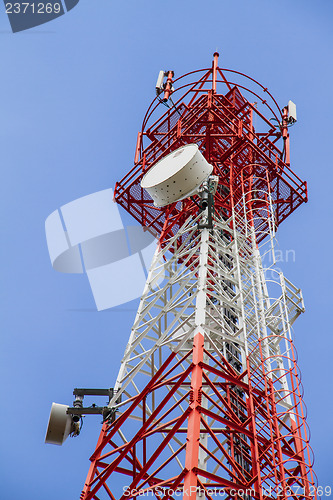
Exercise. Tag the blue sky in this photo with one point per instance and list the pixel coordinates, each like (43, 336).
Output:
(74, 92)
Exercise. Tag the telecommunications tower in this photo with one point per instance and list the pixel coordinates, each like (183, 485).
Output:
(208, 399)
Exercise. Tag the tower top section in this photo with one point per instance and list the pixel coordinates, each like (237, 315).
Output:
(239, 129)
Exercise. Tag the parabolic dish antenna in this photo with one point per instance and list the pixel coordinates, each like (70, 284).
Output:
(177, 176)
(59, 426)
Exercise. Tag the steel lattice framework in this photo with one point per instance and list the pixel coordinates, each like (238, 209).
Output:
(208, 397)
(222, 125)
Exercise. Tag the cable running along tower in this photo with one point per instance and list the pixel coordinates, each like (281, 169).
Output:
(208, 400)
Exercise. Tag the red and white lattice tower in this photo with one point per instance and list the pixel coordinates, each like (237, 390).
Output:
(208, 399)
